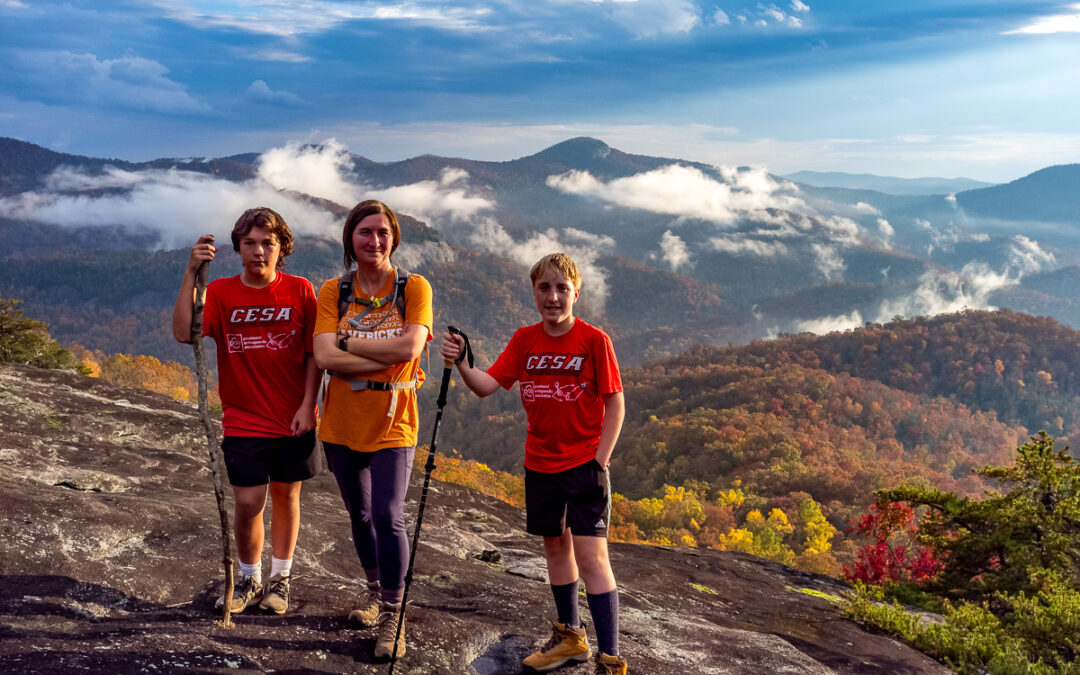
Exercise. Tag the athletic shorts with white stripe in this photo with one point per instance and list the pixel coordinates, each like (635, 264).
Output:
(578, 498)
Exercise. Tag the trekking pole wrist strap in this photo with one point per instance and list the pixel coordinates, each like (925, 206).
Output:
(466, 353)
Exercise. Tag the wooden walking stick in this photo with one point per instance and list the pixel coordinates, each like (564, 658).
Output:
(211, 438)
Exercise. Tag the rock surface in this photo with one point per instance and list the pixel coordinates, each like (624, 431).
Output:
(110, 560)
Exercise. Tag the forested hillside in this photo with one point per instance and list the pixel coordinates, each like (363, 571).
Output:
(833, 417)
(1025, 368)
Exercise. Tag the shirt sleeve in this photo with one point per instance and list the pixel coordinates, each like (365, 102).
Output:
(418, 303)
(326, 315)
(608, 379)
(505, 368)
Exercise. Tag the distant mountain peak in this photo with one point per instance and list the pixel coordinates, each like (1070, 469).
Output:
(582, 149)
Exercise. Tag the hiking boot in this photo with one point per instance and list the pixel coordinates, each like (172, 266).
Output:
(388, 626)
(367, 614)
(610, 665)
(566, 644)
(246, 593)
(276, 597)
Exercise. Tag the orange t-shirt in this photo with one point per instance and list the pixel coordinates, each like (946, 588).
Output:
(359, 419)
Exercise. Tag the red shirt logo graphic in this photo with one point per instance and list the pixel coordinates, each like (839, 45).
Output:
(555, 364)
(261, 316)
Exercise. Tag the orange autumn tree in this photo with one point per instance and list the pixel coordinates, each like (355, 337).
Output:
(144, 372)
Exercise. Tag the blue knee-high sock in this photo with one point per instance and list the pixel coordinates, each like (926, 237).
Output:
(604, 608)
(566, 603)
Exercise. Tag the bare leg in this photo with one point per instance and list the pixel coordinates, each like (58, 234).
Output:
(248, 522)
(591, 556)
(285, 520)
(559, 552)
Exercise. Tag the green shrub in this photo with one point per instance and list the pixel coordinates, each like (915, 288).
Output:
(26, 341)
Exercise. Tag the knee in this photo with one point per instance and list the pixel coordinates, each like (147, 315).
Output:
(249, 509)
(593, 564)
(387, 518)
(285, 494)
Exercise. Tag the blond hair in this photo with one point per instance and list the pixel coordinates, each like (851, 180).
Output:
(557, 262)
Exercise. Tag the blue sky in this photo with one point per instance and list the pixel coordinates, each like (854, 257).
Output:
(977, 88)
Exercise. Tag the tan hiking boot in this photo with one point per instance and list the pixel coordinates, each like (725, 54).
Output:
(610, 665)
(566, 644)
(388, 630)
(276, 597)
(367, 612)
(246, 593)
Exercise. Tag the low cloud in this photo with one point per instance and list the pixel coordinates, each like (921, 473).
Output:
(828, 261)
(829, 324)
(674, 251)
(886, 231)
(317, 170)
(863, 207)
(416, 256)
(441, 202)
(488, 235)
(941, 291)
(735, 245)
(178, 205)
(1027, 257)
(687, 192)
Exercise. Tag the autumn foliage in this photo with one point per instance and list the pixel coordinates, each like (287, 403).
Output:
(145, 372)
(892, 555)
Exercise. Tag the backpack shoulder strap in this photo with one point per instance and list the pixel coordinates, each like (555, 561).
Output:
(344, 293)
(400, 282)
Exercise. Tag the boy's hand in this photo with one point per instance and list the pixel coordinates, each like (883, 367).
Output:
(303, 421)
(451, 346)
(202, 251)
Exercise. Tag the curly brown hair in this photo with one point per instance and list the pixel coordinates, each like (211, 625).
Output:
(271, 221)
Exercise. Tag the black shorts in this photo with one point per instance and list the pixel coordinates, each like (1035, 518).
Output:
(578, 498)
(257, 460)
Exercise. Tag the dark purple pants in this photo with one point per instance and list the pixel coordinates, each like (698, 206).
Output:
(373, 485)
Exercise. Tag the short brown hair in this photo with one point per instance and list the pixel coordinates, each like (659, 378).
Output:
(271, 221)
(557, 262)
(362, 210)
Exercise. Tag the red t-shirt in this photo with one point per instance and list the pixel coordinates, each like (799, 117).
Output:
(262, 337)
(562, 381)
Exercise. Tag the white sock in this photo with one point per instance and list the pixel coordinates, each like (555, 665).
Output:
(279, 566)
(253, 570)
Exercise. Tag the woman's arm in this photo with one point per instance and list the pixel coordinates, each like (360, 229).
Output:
(402, 349)
(329, 357)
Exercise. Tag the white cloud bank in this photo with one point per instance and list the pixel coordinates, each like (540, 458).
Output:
(687, 192)
(181, 205)
(943, 291)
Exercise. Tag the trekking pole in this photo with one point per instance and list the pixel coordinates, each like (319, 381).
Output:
(448, 367)
(211, 436)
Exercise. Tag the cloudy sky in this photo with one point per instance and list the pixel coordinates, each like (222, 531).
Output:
(979, 88)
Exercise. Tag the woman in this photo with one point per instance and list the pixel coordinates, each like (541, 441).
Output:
(371, 326)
